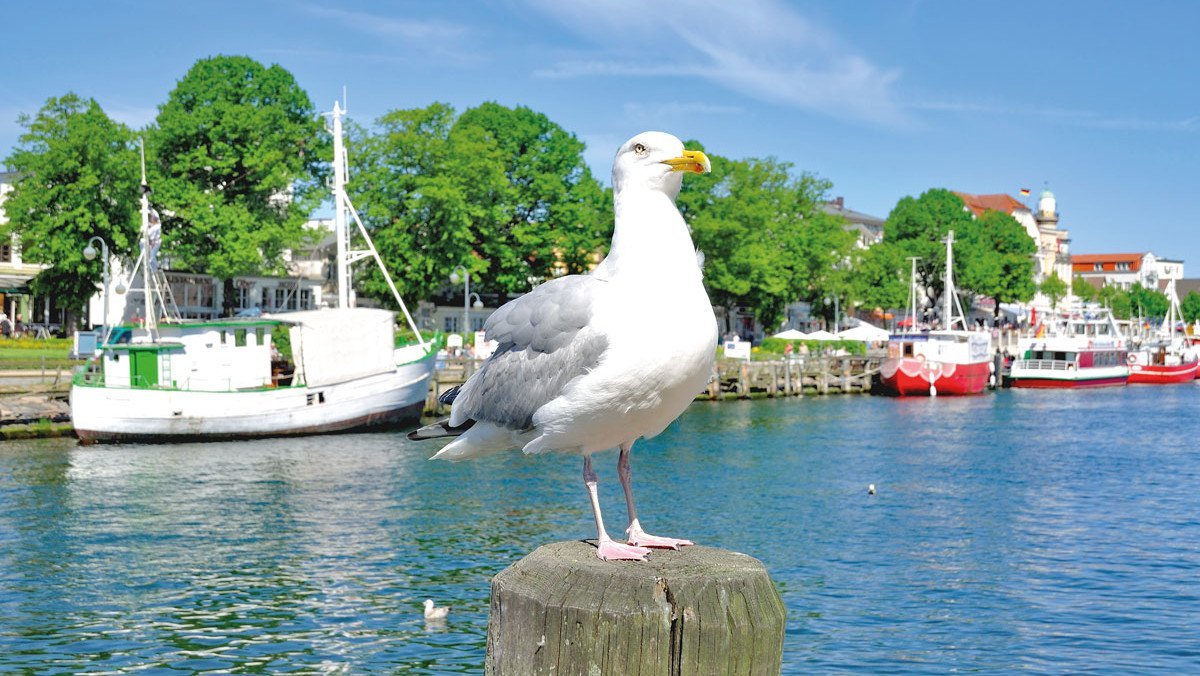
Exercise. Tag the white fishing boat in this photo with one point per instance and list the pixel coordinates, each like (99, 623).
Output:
(285, 374)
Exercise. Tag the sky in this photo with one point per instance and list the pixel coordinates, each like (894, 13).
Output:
(1099, 102)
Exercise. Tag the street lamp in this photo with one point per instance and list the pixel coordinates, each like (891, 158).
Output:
(466, 277)
(836, 313)
(89, 252)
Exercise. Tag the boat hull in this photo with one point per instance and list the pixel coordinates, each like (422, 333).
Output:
(906, 377)
(1152, 374)
(389, 400)
(1069, 383)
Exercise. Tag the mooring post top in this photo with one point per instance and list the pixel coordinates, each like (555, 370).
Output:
(694, 561)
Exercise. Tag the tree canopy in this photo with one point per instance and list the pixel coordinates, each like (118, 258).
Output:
(504, 192)
(918, 227)
(997, 259)
(766, 240)
(78, 179)
(1190, 307)
(1082, 288)
(1054, 288)
(238, 156)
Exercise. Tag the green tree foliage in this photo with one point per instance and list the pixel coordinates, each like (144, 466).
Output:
(1054, 288)
(918, 227)
(238, 156)
(552, 213)
(766, 241)
(1081, 288)
(1116, 299)
(504, 192)
(1190, 307)
(878, 277)
(996, 259)
(78, 178)
(1148, 303)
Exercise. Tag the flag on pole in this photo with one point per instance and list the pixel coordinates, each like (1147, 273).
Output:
(1024, 192)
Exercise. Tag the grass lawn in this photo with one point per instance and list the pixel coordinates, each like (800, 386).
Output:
(32, 353)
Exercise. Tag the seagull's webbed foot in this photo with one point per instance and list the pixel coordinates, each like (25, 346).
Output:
(641, 538)
(611, 550)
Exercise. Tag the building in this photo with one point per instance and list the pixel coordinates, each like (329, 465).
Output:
(868, 228)
(1123, 270)
(17, 304)
(1052, 242)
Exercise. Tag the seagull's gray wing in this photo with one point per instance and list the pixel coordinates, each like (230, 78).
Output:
(545, 342)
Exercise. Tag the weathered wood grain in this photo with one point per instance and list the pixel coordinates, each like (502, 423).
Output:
(561, 610)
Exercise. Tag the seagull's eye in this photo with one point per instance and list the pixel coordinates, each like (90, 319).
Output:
(639, 149)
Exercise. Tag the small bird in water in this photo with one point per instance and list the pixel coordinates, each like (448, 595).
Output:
(433, 612)
(871, 489)
(587, 363)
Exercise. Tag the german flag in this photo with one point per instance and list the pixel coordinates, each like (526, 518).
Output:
(1024, 192)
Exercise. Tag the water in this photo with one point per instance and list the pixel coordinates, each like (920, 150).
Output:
(1043, 531)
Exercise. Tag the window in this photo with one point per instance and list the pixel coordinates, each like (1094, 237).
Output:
(477, 323)
(242, 297)
(6, 252)
(450, 324)
(239, 337)
(281, 297)
(1123, 267)
(305, 299)
(1098, 267)
(266, 300)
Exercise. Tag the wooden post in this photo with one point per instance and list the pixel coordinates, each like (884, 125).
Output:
(561, 610)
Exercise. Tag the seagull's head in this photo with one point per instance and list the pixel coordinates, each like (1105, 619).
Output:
(428, 604)
(657, 161)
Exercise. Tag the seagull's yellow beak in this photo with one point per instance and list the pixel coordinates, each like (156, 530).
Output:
(690, 160)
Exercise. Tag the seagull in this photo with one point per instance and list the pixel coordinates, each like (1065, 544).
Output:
(587, 363)
(433, 612)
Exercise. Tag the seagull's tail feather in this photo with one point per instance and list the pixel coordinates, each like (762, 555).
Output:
(484, 438)
(439, 430)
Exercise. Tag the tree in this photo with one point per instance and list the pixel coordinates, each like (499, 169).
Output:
(1053, 288)
(879, 277)
(1082, 288)
(504, 192)
(1190, 307)
(1148, 303)
(553, 215)
(238, 156)
(918, 226)
(1116, 299)
(766, 241)
(78, 179)
(997, 259)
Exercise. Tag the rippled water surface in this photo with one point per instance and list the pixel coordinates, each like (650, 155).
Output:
(1045, 531)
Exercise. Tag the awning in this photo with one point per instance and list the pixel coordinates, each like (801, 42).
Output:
(14, 284)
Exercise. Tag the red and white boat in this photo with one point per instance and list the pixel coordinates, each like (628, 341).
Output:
(1167, 358)
(1078, 352)
(951, 361)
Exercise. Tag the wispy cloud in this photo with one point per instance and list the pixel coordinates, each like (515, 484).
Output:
(1070, 117)
(763, 49)
(419, 30)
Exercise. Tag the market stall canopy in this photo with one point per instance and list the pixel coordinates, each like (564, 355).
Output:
(791, 334)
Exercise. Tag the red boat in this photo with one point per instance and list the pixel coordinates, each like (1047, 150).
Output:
(920, 375)
(933, 363)
(1169, 358)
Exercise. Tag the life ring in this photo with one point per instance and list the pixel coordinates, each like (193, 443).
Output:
(1132, 359)
(921, 357)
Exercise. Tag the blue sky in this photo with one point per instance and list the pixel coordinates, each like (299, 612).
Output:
(1097, 101)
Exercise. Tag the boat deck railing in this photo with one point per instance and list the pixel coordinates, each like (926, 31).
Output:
(1043, 364)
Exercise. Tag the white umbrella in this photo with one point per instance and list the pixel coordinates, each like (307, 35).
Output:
(864, 332)
(822, 335)
(791, 334)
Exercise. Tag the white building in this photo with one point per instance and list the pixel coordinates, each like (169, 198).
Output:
(1123, 270)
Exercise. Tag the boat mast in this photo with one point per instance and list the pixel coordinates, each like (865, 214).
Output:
(147, 275)
(949, 296)
(912, 296)
(339, 209)
(341, 206)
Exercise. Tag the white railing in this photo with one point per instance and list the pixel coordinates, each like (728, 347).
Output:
(1043, 365)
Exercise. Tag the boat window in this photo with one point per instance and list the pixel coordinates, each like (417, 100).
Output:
(1060, 356)
(908, 349)
(239, 337)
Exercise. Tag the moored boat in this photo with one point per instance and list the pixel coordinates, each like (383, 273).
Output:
(943, 362)
(1081, 352)
(1165, 357)
(287, 374)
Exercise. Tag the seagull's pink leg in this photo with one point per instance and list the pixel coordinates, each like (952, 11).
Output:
(636, 535)
(606, 548)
